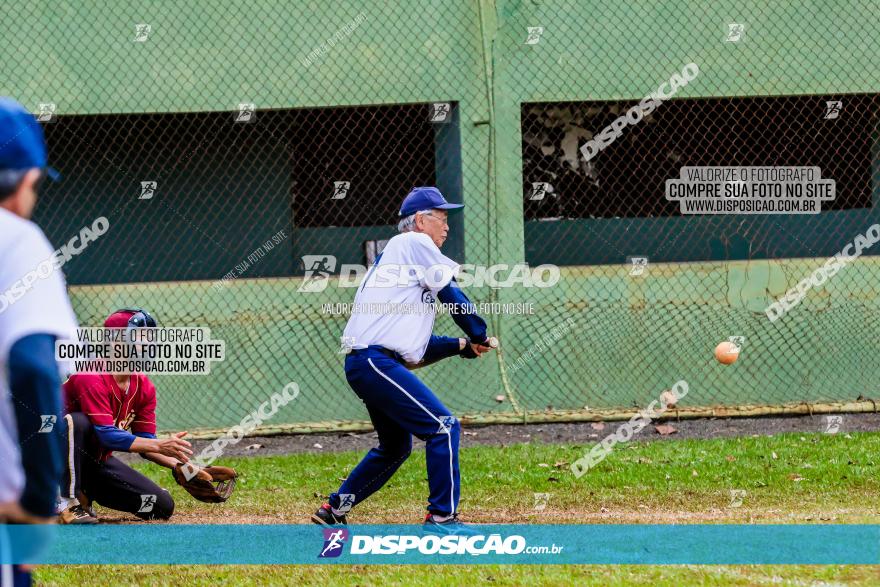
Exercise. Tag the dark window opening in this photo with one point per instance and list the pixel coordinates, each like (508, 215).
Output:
(220, 187)
(626, 179)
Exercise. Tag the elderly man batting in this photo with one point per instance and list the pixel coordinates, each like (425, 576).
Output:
(383, 345)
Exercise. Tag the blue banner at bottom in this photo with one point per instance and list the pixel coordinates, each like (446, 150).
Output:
(485, 544)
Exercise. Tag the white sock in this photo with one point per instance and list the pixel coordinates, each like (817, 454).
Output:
(441, 519)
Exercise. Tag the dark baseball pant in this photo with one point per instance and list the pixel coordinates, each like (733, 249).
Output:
(400, 407)
(111, 483)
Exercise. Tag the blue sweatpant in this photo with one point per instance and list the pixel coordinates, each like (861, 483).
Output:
(400, 407)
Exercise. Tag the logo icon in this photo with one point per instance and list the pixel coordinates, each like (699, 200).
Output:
(346, 502)
(832, 109)
(446, 424)
(737, 341)
(637, 265)
(190, 470)
(347, 345)
(833, 423)
(148, 190)
(541, 501)
(736, 498)
(428, 297)
(141, 32)
(735, 32)
(340, 189)
(246, 112)
(534, 34)
(47, 423)
(440, 112)
(540, 189)
(46, 112)
(318, 268)
(147, 503)
(334, 539)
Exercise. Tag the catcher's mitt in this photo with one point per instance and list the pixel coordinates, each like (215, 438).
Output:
(211, 484)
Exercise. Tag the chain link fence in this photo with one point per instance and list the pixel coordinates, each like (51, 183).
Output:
(247, 155)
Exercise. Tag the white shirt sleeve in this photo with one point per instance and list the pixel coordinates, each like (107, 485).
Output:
(435, 270)
(33, 295)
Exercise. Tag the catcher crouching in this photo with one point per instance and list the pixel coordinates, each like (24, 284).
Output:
(106, 413)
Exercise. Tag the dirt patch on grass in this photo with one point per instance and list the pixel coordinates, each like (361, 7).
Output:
(740, 515)
(564, 433)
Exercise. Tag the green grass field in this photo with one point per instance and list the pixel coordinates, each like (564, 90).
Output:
(791, 478)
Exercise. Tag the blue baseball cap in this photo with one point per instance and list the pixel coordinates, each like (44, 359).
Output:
(425, 198)
(22, 146)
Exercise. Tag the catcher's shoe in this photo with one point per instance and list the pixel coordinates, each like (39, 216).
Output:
(86, 503)
(76, 514)
(451, 526)
(326, 517)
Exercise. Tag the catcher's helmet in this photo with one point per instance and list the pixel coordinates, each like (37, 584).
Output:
(130, 318)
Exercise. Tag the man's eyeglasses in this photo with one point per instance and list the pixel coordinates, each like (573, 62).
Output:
(443, 220)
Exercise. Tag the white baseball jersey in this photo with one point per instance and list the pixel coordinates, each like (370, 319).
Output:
(29, 304)
(394, 305)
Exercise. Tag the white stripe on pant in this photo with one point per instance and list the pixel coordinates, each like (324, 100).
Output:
(70, 463)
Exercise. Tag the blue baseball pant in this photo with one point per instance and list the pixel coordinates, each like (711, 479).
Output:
(400, 407)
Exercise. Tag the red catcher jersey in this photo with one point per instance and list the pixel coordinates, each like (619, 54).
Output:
(99, 397)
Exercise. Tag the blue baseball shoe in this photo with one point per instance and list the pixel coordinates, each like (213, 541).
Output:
(450, 526)
(325, 517)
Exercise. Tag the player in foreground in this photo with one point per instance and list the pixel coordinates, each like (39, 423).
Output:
(34, 312)
(382, 348)
(108, 412)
